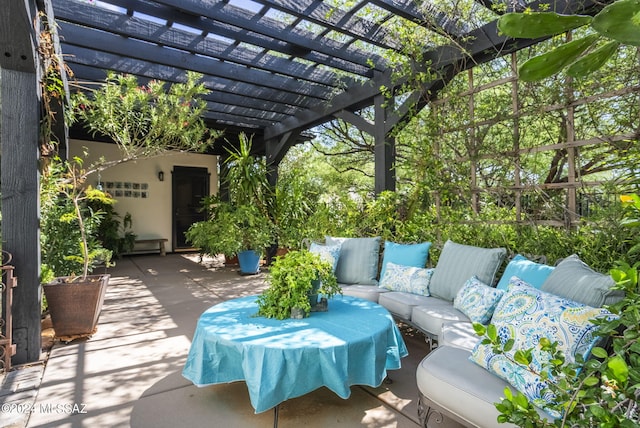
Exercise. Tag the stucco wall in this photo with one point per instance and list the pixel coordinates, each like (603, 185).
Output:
(151, 214)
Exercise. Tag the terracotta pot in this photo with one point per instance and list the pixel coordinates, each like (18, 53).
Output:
(75, 306)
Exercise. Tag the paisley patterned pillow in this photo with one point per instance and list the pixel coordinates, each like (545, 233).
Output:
(327, 253)
(406, 278)
(477, 300)
(527, 314)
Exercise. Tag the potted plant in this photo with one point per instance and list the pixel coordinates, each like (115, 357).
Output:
(71, 250)
(241, 225)
(295, 280)
(143, 121)
(233, 230)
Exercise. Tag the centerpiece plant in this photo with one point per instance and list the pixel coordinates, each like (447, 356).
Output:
(295, 279)
(144, 121)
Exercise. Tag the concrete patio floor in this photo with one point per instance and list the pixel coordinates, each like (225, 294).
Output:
(129, 373)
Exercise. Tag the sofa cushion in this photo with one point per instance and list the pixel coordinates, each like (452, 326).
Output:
(477, 300)
(328, 253)
(368, 292)
(574, 280)
(407, 279)
(400, 303)
(358, 262)
(415, 255)
(458, 263)
(453, 383)
(432, 313)
(459, 334)
(527, 314)
(531, 272)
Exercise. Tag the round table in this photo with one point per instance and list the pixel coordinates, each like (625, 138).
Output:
(354, 343)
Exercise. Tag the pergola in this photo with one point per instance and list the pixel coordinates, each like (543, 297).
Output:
(275, 68)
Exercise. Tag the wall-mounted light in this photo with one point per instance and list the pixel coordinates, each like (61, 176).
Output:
(161, 175)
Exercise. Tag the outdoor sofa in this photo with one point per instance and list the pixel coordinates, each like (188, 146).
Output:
(460, 379)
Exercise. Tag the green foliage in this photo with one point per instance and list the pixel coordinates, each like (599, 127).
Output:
(616, 24)
(291, 279)
(114, 231)
(243, 222)
(147, 120)
(230, 229)
(69, 224)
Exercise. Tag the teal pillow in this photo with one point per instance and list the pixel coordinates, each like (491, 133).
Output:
(477, 300)
(532, 273)
(358, 262)
(408, 279)
(415, 255)
(328, 253)
(458, 263)
(527, 314)
(573, 279)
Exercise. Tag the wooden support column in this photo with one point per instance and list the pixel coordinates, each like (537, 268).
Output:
(20, 125)
(385, 149)
(19, 169)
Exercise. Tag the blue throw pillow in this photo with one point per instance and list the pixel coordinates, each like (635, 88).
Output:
(408, 279)
(477, 300)
(328, 253)
(415, 255)
(530, 272)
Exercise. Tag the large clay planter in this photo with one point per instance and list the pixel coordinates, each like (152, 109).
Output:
(75, 306)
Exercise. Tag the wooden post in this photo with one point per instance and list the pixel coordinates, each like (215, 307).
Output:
(20, 125)
(384, 151)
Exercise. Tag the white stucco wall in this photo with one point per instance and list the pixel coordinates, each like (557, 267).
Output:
(151, 215)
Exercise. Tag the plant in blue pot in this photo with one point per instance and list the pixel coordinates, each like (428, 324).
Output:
(242, 224)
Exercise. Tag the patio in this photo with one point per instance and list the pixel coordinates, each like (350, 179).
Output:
(129, 372)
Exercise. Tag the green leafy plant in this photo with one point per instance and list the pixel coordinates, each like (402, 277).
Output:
(243, 222)
(69, 222)
(615, 25)
(114, 231)
(291, 279)
(230, 228)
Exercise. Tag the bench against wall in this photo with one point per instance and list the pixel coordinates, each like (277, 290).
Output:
(151, 245)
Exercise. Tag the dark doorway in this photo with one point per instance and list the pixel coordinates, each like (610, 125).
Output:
(190, 185)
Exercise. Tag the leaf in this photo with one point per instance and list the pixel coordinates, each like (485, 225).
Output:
(593, 60)
(539, 24)
(550, 63)
(619, 368)
(620, 21)
(599, 352)
(591, 381)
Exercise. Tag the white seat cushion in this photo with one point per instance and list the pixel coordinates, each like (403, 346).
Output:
(452, 382)
(368, 292)
(459, 334)
(401, 304)
(430, 316)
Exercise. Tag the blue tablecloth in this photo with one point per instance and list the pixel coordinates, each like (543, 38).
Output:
(354, 343)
